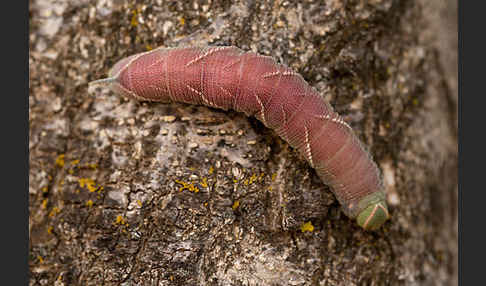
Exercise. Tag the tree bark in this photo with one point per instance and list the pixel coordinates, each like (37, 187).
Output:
(128, 193)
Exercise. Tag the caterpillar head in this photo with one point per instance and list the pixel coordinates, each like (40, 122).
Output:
(373, 215)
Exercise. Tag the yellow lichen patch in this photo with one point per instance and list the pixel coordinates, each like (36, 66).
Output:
(245, 182)
(188, 186)
(89, 184)
(148, 47)
(236, 204)
(44, 204)
(44, 189)
(182, 21)
(307, 227)
(89, 203)
(204, 182)
(139, 203)
(274, 176)
(54, 211)
(84, 181)
(235, 181)
(134, 21)
(92, 166)
(120, 220)
(71, 171)
(253, 178)
(211, 170)
(41, 260)
(74, 162)
(49, 229)
(193, 188)
(60, 160)
(270, 188)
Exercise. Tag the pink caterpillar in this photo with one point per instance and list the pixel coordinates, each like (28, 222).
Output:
(229, 78)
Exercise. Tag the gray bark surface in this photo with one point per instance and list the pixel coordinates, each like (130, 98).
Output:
(128, 193)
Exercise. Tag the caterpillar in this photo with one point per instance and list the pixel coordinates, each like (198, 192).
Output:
(229, 78)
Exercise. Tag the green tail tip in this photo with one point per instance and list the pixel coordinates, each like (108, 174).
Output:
(373, 216)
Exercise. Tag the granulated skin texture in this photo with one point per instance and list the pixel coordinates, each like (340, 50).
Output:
(229, 78)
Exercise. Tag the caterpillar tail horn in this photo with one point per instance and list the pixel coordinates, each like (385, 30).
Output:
(101, 82)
